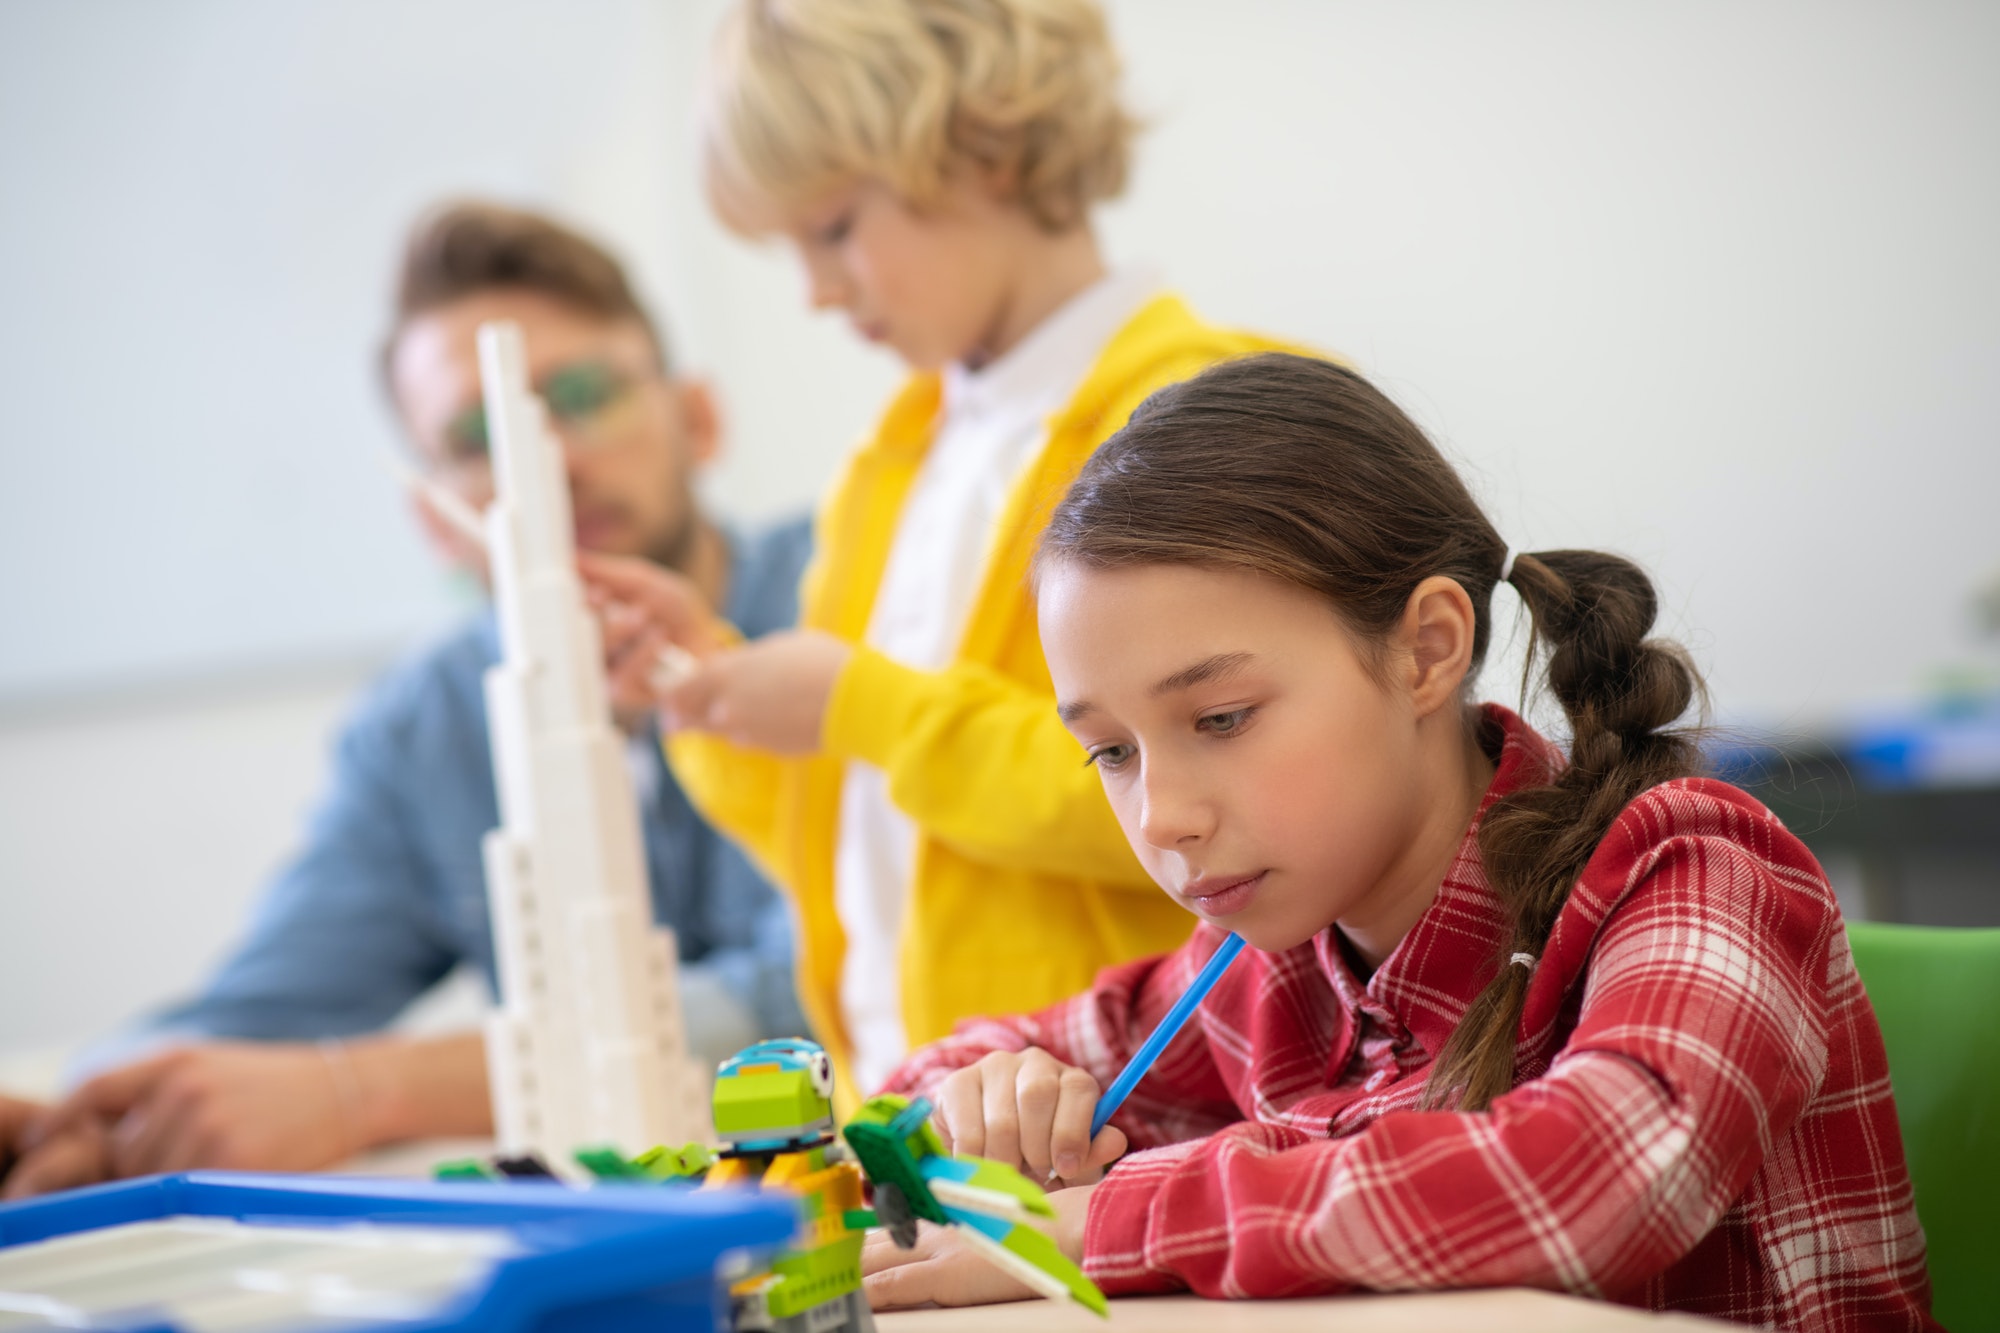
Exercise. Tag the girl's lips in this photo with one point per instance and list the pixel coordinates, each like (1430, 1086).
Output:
(1222, 897)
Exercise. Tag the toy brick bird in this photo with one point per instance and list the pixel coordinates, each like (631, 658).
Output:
(993, 1207)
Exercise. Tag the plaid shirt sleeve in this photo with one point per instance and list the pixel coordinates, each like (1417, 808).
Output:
(1184, 1095)
(1698, 1041)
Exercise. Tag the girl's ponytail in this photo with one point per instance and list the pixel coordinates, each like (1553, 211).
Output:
(1622, 692)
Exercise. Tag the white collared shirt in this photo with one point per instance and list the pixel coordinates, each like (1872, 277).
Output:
(993, 423)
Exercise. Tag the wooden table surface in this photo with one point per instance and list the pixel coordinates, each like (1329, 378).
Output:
(1510, 1311)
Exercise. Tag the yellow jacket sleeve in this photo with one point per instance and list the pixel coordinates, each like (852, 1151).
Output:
(736, 789)
(981, 763)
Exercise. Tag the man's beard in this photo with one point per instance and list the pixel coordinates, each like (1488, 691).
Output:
(675, 547)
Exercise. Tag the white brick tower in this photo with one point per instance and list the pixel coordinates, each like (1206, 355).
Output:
(588, 1046)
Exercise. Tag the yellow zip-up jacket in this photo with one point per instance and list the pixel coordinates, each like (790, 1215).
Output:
(1023, 884)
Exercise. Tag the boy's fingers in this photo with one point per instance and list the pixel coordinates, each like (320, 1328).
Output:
(611, 571)
(623, 644)
(631, 663)
(690, 705)
(647, 587)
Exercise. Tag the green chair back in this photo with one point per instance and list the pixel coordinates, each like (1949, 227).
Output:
(1936, 993)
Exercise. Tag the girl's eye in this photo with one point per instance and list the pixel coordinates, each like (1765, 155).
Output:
(1110, 757)
(1226, 724)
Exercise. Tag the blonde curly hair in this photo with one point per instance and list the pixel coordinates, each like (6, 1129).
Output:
(804, 97)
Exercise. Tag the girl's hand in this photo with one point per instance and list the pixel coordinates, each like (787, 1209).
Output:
(944, 1270)
(770, 694)
(1031, 1111)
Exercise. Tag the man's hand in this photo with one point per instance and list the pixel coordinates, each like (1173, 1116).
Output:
(237, 1105)
(944, 1270)
(770, 694)
(36, 1161)
(282, 1107)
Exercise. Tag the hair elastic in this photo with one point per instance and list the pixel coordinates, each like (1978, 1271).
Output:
(1507, 565)
(1526, 960)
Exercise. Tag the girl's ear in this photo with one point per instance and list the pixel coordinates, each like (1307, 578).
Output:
(1437, 634)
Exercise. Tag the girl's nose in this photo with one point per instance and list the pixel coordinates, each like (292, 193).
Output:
(1173, 812)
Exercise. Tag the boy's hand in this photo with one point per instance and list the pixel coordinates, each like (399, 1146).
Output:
(767, 695)
(944, 1270)
(770, 694)
(1031, 1111)
(641, 610)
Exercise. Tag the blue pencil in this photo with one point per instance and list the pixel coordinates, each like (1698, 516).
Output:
(1177, 1016)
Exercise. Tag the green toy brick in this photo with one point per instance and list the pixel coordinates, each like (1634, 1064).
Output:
(610, 1166)
(682, 1163)
(1036, 1247)
(813, 1277)
(990, 1175)
(886, 1159)
(748, 1104)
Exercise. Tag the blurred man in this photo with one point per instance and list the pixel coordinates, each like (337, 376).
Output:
(280, 1063)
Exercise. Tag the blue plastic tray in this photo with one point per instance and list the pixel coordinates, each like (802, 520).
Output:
(606, 1259)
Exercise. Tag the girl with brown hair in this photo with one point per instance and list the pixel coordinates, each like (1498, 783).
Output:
(1509, 1016)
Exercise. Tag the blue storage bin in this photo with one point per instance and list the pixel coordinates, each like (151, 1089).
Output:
(544, 1258)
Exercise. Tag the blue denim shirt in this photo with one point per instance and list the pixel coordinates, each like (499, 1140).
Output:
(389, 894)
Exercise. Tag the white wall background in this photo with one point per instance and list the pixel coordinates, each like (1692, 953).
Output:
(1711, 284)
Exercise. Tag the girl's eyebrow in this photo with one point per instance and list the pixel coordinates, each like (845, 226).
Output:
(1209, 668)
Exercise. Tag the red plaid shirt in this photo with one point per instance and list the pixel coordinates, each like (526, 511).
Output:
(1700, 1121)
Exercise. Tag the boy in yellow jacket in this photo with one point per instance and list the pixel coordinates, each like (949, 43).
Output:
(896, 763)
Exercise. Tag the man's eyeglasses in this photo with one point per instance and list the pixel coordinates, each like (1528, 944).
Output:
(591, 403)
